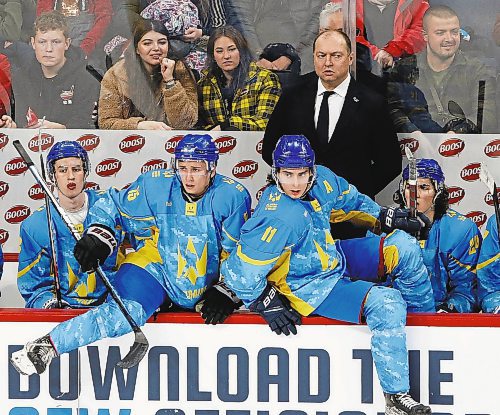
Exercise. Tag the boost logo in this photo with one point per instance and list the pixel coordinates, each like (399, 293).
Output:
(89, 141)
(15, 167)
(155, 164)
(17, 213)
(478, 217)
(225, 144)
(92, 186)
(4, 236)
(245, 169)
(35, 192)
(258, 195)
(411, 143)
(132, 143)
(4, 188)
(258, 147)
(108, 167)
(456, 194)
(488, 197)
(492, 149)
(470, 172)
(451, 147)
(4, 140)
(172, 143)
(45, 142)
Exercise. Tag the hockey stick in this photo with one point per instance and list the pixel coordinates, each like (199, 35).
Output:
(139, 348)
(486, 177)
(412, 184)
(54, 268)
(480, 105)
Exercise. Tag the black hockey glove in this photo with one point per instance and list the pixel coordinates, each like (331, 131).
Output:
(446, 308)
(276, 311)
(94, 247)
(399, 218)
(218, 303)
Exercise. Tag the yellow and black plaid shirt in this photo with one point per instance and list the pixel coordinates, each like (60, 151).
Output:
(251, 107)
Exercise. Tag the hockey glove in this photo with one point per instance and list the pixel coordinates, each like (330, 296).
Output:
(398, 218)
(52, 303)
(446, 308)
(276, 311)
(94, 247)
(218, 303)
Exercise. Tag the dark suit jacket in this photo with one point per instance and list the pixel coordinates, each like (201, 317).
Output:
(363, 149)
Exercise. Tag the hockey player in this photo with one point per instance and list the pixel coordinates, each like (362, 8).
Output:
(488, 270)
(450, 246)
(194, 215)
(287, 265)
(68, 166)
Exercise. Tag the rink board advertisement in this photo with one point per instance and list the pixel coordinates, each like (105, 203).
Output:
(245, 369)
(118, 157)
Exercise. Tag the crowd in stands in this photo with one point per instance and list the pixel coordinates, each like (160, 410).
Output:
(242, 65)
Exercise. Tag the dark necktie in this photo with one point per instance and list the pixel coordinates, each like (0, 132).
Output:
(324, 119)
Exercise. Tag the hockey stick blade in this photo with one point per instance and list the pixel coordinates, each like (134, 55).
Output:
(141, 344)
(486, 177)
(136, 353)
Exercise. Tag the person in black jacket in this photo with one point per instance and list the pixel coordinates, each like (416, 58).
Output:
(56, 84)
(361, 146)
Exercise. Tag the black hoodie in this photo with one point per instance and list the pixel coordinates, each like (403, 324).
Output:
(68, 98)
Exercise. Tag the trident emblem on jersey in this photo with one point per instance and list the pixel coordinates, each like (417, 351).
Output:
(324, 257)
(190, 265)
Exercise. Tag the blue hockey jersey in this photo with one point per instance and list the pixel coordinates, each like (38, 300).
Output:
(450, 254)
(34, 280)
(288, 242)
(188, 239)
(488, 269)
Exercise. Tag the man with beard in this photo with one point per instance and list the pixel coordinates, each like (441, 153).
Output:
(445, 75)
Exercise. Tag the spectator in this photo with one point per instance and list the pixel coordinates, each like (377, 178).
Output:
(488, 269)
(353, 135)
(68, 166)
(390, 28)
(287, 265)
(450, 246)
(496, 30)
(263, 22)
(449, 81)
(87, 20)
(147, 90)
(234, 92)
(196, 216)
(56, 84)
(16, 19)
(5, 87)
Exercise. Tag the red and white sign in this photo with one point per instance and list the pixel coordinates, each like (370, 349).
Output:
(4, 236)
(4, 188)
(89, 141)
(492, 149)
(488, 198)
(478, 217)
(172, 143)
(225, 144)
(451, 147)
(92, 186)
(470, 172)
(35, 192)
(17, 213)
(411, 143)
(15, 167)
(132, 143)
(4, 140)
(108, 167)
(245, 169)
(155, 164)
(44, 142)
(456, 194)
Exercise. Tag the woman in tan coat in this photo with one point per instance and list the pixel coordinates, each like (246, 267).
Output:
(147, 90)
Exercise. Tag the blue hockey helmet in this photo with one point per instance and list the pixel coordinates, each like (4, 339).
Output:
(293, 152)
(65, 149)
(197, 147)
(426, 169)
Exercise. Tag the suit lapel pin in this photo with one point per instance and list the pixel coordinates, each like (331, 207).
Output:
(355, 99)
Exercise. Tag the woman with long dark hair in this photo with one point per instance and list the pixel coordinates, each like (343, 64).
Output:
(147, 90)
(235, 94)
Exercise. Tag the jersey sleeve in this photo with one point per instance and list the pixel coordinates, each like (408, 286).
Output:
(263, 240)
(348, 203)
(127, 210)
(488, 267)
(462, 262)
(34, 281)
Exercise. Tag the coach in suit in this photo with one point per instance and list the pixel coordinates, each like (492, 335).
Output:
(347, 124)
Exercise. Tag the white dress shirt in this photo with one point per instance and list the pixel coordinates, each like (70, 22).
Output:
(335, 104)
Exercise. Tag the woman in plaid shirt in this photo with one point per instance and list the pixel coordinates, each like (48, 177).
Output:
(234, 93)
